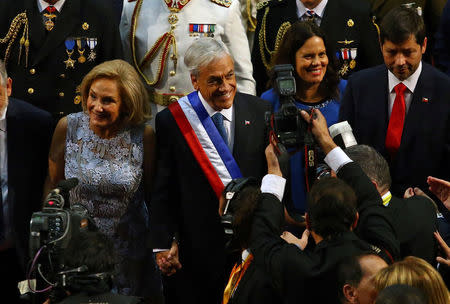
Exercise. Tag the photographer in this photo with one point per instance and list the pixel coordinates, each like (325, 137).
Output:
(332, 218)
(316, 87)
(94, 252)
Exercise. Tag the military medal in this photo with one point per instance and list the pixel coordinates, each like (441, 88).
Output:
(350, 23)
(92, 43)
(201, 30)
(70, 44)
(85, 26)
(81, 43)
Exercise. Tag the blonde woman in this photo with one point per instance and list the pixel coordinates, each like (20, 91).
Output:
(110, 150)
(418, 273)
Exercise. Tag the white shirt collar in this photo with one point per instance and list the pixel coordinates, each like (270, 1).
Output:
(227, 113)
(42, 5)
(318, 10)
(409, 82)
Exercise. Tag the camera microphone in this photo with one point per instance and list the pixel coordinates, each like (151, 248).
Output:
(65, 185)
(342, 134)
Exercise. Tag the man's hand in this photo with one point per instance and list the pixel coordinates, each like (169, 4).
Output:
(443, 260)
(441, 189)
(319, 129)
(273, 167)
(292, 239)
(168, 261)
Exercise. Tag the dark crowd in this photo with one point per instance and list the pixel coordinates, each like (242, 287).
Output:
(225, 151)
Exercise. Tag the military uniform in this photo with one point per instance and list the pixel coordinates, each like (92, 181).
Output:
(347, 24)
(48, 75)
(178, 23)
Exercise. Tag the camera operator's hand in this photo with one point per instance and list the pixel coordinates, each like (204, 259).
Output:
(319, 129)
(168, 261)
(273, 167)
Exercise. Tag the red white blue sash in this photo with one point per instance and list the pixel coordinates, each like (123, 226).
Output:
(208, 147)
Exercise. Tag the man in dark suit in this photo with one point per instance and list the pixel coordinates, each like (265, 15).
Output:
(25, 134)
(57, 42)
(204, 140)
(414, 217)
(310, 276)
(402, 108)
(347, 24)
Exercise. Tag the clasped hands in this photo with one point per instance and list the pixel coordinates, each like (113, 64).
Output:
(168, 261)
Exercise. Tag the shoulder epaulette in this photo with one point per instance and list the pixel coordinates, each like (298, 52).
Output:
(225, 3)
(262, 4)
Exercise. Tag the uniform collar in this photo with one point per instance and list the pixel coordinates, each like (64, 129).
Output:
(318, 10)
(42, 5)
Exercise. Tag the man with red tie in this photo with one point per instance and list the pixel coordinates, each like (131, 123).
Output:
(402, 108)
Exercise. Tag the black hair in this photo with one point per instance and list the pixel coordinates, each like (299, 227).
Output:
(331, 207)
(400, 23)
(294, 38)
(243, 207)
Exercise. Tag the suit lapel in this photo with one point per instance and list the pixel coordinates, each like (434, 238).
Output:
(243, 119)
(14, 139)
(417, 108)
(66, 21)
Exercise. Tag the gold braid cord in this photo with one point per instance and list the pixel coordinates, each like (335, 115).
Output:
(18, 22)
(263, 48)
(251, 20)
(166, 42)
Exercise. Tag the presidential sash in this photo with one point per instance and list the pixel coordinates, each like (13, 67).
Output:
(205, 142)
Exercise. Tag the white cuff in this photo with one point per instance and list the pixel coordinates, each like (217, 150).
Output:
(337, 158)
(273, 184)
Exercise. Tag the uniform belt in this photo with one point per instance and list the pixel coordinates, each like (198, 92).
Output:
(164, 99)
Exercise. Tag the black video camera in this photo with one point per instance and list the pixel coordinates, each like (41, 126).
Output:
(57, 223)
(51, 230)
(287, 124)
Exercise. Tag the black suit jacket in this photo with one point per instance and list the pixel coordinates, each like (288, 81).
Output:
(46, 82)
(29, 132)
(425, 143)
(184, 202)
(414, 223)
(312, 274)
(274, 17)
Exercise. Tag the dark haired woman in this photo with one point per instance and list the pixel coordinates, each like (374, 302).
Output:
(317, 86)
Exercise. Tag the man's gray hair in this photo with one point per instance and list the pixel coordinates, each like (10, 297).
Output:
(372, 163)
(202, 52)
(3, 74)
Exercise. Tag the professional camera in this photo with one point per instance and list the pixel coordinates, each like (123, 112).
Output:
(51, 230)
(287, 124)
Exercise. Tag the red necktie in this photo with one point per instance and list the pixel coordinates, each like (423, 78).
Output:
(395, 128)
(50, 9)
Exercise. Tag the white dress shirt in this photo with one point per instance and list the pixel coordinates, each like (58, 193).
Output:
(410, 84)
(228, 121)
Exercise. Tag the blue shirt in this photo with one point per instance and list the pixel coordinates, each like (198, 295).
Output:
(329, 109)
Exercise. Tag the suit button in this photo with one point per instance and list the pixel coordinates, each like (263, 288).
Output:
(30, 91)
(61, 94)
(62, 75)
(172, 73)
(172, 89)
(32, 71)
